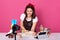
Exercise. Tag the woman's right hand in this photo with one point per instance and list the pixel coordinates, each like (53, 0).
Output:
(26, 31)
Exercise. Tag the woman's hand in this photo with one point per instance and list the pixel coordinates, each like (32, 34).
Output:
(33, 33)
(26, 31)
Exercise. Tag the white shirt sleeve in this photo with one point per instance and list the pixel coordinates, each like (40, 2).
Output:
(35, 20)
(22, 16)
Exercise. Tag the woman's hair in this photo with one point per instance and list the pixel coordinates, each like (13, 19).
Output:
(32, 7)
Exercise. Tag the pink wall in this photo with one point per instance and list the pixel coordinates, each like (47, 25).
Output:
(48, 12)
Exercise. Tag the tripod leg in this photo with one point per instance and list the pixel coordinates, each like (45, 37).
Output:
(15, 36)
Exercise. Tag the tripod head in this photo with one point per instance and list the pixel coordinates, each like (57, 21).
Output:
(15, 28)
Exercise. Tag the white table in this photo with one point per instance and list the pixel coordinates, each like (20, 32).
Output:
(53, 36)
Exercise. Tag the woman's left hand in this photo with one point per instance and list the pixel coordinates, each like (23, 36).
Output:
(33, 33)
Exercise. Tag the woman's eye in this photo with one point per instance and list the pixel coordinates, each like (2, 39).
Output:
(30, 11)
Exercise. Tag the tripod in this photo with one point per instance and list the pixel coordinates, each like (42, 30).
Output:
(15, 28)
(15, 35)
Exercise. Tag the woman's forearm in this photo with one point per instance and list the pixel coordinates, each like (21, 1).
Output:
(21, 24)
(33, 27)
(22, 27)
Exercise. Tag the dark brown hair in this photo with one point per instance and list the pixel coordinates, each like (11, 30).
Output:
(32, 7)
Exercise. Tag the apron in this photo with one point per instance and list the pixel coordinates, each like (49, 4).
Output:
(28, 24)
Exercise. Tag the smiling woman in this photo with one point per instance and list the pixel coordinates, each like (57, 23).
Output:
(29, 19)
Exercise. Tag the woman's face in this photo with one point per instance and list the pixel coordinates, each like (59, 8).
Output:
(29, 11)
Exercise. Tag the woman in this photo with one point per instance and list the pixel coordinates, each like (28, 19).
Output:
(29, 19)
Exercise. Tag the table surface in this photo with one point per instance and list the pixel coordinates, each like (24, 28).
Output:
(53, 36)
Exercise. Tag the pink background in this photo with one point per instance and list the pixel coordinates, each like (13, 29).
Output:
(48, 12)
